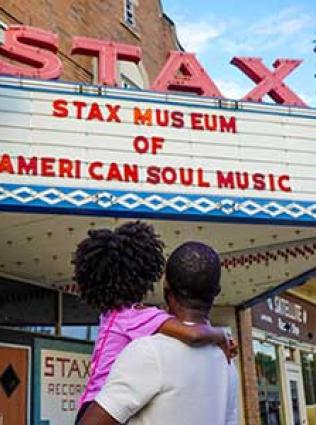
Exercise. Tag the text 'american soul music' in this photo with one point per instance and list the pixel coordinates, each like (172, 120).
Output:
(108, 170)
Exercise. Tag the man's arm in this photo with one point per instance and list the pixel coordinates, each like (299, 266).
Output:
(232, 400)
(134, 380)
(95, 415)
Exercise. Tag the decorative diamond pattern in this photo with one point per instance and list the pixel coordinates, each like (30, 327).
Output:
(9, 381)
(179, 203)
(157, 202)
(206, 205)
(228, 206)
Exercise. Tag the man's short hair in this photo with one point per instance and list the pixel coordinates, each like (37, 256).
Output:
(193, 274)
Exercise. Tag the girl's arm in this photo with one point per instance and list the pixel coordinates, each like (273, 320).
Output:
(200, 335)
(193, 335)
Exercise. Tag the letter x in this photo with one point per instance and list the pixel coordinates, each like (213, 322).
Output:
(268, 82)
(86, 366)
(113, 113)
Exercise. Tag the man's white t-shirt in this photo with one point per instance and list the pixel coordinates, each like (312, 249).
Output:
(158, 380)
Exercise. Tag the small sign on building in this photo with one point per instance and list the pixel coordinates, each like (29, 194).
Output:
(287, 316)
(61, 373)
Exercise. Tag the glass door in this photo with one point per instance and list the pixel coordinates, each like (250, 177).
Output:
(268, 383)
(295, 394)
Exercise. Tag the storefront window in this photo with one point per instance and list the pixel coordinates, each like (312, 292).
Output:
(44, 330)
(85, 333)
(76, 332)
(309, 377)
(268, 383)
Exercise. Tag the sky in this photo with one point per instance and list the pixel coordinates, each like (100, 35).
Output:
(219, 30)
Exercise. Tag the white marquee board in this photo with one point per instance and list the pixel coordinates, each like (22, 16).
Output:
(81, 149)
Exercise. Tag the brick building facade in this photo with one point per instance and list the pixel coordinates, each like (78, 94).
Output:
(247, 368)
(146, 26)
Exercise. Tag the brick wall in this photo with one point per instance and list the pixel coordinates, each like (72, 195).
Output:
(99, 19)
(248, 371)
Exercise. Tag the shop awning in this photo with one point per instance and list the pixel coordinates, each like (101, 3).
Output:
(37, 249)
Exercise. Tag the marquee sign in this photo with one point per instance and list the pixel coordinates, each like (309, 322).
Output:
(92, 150)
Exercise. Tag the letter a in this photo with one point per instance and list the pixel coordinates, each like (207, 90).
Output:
(184, 73)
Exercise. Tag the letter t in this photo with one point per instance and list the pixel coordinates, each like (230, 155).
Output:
(108, 53)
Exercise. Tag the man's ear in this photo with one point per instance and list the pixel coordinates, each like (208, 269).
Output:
(166, 290)
(172, 301)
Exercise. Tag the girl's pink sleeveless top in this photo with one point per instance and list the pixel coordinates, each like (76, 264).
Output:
(127, 325)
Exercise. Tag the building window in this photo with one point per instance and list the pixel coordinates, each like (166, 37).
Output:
(126, 83)
(268, 382)
(309, 377)
(129, 13)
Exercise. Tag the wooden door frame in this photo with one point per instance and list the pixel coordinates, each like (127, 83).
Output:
(29, 376)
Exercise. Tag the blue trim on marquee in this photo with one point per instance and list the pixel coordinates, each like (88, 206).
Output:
(155, 205)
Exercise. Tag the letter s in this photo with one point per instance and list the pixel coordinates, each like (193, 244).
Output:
(34, 47)
(49, 366)
(153, 176)
(60, 109)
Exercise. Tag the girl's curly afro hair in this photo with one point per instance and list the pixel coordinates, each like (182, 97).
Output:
(116, 269)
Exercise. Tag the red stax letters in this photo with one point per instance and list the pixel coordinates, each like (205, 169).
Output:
(182, 72)
(31, 46)
(268, 82)
(108, 54)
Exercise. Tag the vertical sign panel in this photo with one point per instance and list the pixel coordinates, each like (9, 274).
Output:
(60, 375)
